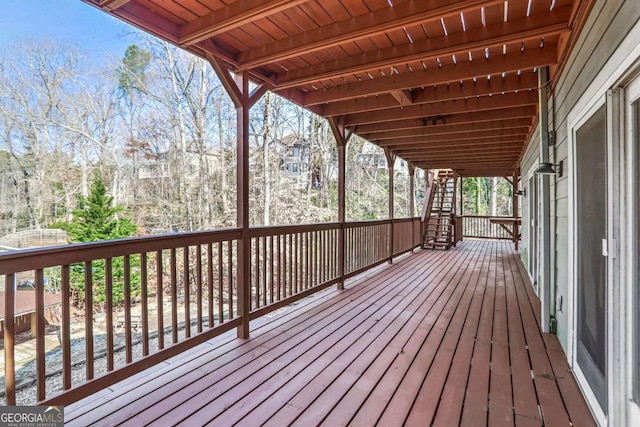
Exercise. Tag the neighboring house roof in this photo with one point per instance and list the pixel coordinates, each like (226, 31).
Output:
(26, 302)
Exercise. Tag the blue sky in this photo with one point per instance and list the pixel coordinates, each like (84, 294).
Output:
(68, 21)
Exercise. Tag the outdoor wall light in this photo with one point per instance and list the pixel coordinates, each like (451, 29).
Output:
(546, 168)
(522, 193)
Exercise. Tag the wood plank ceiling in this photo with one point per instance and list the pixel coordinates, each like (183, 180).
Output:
(441, 83)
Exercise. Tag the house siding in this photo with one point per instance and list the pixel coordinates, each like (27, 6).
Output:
(608, 24)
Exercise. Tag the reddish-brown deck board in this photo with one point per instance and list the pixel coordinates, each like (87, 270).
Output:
(452, 398)
(187, 391)
(453, 333)
(403, 347)
(525, 402)
(500, 393)
(336, 378)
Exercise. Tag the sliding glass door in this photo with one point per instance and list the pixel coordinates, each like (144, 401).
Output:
(591, 229)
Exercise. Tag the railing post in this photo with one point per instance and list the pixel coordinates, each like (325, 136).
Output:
(391, 159)
(342, 135)
(9, 336)
(237, 87)
(516, 232)
(412, 171)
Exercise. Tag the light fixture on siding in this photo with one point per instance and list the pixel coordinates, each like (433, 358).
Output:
(547, 168)
(522, 193)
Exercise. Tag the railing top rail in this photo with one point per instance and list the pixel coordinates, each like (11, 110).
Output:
(356, 224)
(289, 229)
(36, 258)
(487, 216)
(401, 220)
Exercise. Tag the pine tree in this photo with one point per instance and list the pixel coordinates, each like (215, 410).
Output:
(97, 219)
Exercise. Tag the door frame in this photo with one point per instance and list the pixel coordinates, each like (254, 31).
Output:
(631, 274)
(576, 120)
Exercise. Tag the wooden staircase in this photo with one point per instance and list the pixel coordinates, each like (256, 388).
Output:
(440, 212)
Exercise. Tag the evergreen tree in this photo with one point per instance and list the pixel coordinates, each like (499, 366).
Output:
(97, 219)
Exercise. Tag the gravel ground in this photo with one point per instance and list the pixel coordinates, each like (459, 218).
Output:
(25, 377)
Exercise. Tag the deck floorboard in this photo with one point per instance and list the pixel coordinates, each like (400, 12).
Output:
(438, 338)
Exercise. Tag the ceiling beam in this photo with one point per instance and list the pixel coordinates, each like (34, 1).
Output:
(442, 110)
(374, 23)
(533, 27)
(455, 146)
(446, 92)
(445, 142)
(481, 116)
(232, 16)
(450, 152)
(510, 62)
(494, 126)
(492, 133)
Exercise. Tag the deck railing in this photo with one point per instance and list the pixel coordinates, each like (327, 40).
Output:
(481, 227)
(149, 298)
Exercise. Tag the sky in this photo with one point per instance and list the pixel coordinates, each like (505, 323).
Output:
(67, 21)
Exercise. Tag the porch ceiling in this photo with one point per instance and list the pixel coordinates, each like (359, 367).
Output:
(436, 81)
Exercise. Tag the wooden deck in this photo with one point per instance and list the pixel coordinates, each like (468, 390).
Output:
(439, 338)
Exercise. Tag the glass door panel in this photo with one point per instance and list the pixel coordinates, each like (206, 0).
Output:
(591, 220)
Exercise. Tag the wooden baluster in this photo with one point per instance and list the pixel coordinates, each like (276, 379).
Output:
(65, 330)
(220, 284)
(88, 318)
(265, 295)
(186, 283)
(271, 276)
(255, 245)
(159, 299)
(127, 309)
(108, 289)
(278, 270)
(210, 283)
(199, 286)
(174, 297)
(144, 296)
(230, 278)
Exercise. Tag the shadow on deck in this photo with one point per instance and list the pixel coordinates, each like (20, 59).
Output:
(442, 338)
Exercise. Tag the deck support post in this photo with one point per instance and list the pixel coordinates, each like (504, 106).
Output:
(342, 135)
(412, 208)
(237, 87)
(515, 210)
(391, 160)
(461, 221)
(545, 203)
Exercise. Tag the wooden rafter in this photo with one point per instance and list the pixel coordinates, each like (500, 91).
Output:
(533, 27)
(451, 142)
(485, 134)
(511, 62)
(368, 25)
(232, 16)
(478, 128)
(477, 117)
(443, 109)
(444, 92)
